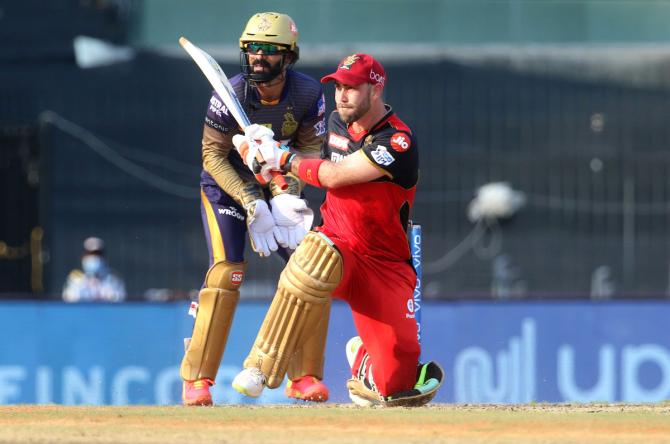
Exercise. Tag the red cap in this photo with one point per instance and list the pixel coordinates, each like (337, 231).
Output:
(357, 69)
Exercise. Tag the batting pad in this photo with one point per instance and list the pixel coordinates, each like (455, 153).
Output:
(301, 303)
(212, 323)
(308, 360)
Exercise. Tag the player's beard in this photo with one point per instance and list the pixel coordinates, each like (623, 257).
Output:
(269, 71)
(350, 114)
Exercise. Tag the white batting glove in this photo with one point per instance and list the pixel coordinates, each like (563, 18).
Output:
(261, 227)
(263, 136)
(293, 219)
(258, 132)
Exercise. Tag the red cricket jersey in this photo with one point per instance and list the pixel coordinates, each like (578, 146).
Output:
(372, 217)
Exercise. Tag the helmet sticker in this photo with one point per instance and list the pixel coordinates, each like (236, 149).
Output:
(264, 24)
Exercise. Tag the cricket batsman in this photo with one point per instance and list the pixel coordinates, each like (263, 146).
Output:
(286, 105)
(370, 168)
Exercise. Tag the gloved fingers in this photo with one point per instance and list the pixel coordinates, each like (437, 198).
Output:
(238, 140)
(270, 241)
(258, 132)
(300, 234)
(281, 236)
(258, 243)
(292, 243)
(307, 218)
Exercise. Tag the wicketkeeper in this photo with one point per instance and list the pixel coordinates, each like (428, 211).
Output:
(289, 106)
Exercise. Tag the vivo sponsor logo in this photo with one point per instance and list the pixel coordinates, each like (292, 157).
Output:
(377, 77)
(97, 385)
(320, 127)
(382, 156)
(217, 107)
(509, 376)
(232, 212)
(339, 142)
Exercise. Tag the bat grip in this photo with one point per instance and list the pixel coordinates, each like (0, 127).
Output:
(278, 179)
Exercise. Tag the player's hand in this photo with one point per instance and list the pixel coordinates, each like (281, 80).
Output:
(261, 227)
(259, 132)
(293, 219)
(264, 137)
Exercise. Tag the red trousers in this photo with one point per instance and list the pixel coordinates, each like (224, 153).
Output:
(380, 294)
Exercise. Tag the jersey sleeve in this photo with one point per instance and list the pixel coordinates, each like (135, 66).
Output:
(395, 153)
(312, 127)
(218, 117)
(325, 148)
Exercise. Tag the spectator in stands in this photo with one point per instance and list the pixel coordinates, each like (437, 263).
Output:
(95, 282)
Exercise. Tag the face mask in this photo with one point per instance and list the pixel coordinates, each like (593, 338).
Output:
(92, 264)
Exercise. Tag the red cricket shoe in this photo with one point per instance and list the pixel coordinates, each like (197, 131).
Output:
(307, 388)
(197, 392)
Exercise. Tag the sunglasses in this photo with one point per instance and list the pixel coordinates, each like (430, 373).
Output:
(267, 48)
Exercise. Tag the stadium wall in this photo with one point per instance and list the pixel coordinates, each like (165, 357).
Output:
(543, 351)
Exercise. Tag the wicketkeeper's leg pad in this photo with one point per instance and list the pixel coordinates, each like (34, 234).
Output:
(216, 308)
(309, 359)
(299, 306)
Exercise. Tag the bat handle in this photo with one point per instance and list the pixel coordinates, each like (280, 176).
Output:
(278, 179)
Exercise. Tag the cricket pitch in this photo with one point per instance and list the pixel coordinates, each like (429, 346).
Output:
(336, 423)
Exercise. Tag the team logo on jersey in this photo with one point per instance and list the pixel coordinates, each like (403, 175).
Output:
(321, 105)
(236, 277)
(400, 142)
(320, 128)
(346, 63)
(339, 142)
(382, 156)
(290, 124)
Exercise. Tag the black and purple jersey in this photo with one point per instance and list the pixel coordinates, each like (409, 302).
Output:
(297, 119)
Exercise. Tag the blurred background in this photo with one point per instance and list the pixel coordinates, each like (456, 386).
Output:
(544, 134)
(565, 101)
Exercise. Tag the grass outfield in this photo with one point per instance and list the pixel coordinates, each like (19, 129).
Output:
(333, 423)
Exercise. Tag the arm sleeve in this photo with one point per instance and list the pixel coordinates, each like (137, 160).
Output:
(217, 144)
(396, 156)
(216, 148)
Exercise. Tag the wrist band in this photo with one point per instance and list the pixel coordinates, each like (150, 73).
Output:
(309, 171)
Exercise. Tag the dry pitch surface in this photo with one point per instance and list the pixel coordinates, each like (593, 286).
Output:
(337, 424)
